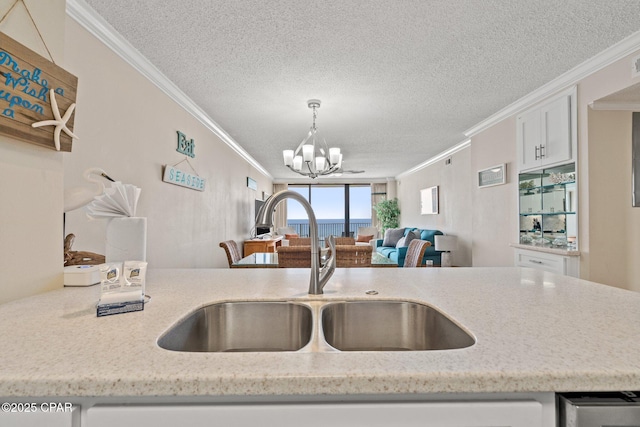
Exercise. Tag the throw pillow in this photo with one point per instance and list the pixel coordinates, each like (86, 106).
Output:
(391, 237)
(290, 236)
(412, 235)
(364, 238)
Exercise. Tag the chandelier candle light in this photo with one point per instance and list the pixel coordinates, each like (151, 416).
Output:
(319, 159)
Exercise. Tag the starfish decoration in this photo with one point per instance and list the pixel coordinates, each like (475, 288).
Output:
(60, 122)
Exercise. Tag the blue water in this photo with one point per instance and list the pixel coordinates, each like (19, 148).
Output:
(330, 221)
(328, 227)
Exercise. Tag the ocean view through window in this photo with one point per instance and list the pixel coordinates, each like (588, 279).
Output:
(337, 208)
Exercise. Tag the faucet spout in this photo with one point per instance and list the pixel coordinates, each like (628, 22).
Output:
(319, 277)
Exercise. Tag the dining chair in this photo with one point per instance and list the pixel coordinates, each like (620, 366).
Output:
(233, 252)
(415, 252)
(353, 256)
(294, 256)
(300, 241)
(341, 241)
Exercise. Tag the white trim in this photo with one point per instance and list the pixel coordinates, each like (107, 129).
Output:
(571, 77)
(464, 144)
(619, 106)
(84, 15)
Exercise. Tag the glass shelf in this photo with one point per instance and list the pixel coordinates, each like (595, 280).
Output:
(548, 205)
(547, 213)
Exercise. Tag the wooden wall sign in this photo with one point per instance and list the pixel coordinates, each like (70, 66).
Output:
(34, 90)
(186, 146)
(176, 176)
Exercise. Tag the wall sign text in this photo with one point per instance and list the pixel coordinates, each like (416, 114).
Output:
(27, 82)
(185, 146)
(173, 175)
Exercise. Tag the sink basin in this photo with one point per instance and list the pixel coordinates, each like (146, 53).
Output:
(242, 326)
(359, 325)
(390, 326)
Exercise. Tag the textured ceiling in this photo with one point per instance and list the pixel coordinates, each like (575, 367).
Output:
(400, 80)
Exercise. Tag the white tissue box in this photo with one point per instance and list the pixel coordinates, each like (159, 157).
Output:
(81, 275)
(126, 239)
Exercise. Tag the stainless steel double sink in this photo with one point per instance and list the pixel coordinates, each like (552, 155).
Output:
(320, 326)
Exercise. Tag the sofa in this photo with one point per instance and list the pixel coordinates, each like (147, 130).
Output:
(398, 252)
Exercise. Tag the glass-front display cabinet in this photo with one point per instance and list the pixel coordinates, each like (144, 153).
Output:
(548, 205)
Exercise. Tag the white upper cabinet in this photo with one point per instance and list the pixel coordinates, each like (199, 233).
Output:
(528, 137)
(546, 133)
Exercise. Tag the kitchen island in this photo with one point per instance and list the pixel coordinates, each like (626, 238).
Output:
(536, 333)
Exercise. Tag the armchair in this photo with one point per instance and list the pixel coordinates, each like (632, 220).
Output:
(365, 235)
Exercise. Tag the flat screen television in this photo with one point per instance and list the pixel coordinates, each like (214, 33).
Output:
(260, 230)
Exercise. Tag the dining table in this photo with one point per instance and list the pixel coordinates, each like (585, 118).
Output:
(270, 260)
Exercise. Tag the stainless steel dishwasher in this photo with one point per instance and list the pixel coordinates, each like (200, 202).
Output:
(607, 409)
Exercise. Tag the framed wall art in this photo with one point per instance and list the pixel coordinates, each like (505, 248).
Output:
(495, 175)
(429, 201)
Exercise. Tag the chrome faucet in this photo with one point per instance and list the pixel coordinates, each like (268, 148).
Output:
(319, 276)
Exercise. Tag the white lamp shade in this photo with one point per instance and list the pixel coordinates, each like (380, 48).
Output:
(307, 152)
(297, 163)
(446, 243)
(340, 161)
(320, 163)
(288, 157)
(334, 155)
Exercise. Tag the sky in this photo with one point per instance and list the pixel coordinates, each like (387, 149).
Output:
(328, 202)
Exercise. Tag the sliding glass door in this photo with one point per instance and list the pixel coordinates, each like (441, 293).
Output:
(328, 205)
(359, 207)
(339, 209)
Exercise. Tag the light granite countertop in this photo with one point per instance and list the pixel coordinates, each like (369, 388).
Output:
(535, 332)
(547, 249)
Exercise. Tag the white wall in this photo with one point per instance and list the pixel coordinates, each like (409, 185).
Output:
(608, 225)
(127, 126)
(454, 217)
(31, 177)
(484, 219)
(610, 201)
(604, 82)
(495, 209)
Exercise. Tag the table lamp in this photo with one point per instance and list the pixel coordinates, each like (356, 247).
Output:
(446, 244)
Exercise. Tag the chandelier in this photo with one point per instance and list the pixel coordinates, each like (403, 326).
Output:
(316, 158)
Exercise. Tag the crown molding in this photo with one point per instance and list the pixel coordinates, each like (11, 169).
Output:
(572, 77)
(461, 146)
(84, 15)
(618, 106)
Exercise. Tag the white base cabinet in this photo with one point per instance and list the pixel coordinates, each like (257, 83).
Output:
(41, 414)
(559, 264)
(411, 414)
(424, 410)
